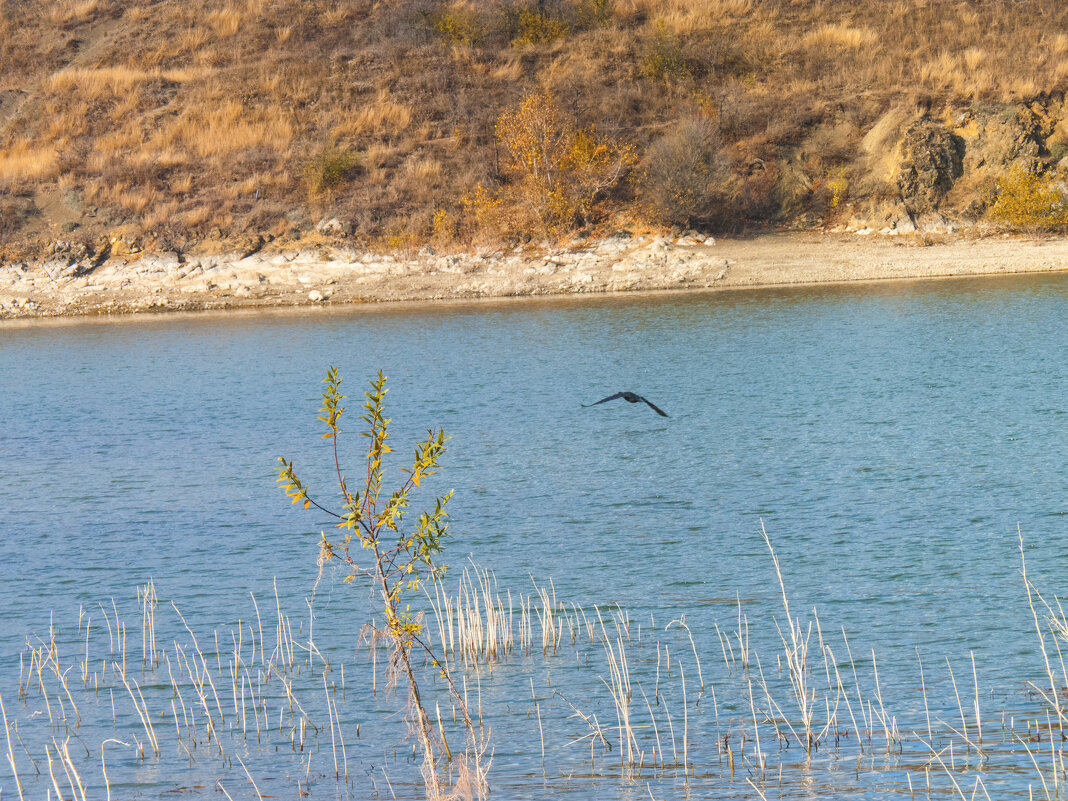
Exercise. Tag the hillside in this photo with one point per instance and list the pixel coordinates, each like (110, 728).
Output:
(189, 125)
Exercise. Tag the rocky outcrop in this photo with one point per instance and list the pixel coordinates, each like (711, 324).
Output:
(932, 161)
(920, 171)
(997, 139)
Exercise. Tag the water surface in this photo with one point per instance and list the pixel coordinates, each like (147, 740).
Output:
(890, 437)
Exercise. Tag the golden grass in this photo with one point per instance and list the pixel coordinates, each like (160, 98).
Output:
(376, 155)
(134, 199)
(841, 36)
(383, 116)
(220, 131)
(67, 121)
(181, 186)
(160, 214)
(119, 140)
(136, 13)
(100, 82)
(25, 161)
(337, 14)
(196, 216)
(685, 16)
(423, 168)
(226, 21)
(72, 10)
(191, 40)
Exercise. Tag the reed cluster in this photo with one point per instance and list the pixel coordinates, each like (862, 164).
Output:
(669, 705)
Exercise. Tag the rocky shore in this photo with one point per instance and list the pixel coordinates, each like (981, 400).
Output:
(70, 284)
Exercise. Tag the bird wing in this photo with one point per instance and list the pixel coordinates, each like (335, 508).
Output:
(655, 408)
(602, 400)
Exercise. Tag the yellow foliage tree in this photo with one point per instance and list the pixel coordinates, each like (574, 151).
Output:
(561, 170)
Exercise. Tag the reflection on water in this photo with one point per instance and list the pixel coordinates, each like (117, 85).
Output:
(890, 437)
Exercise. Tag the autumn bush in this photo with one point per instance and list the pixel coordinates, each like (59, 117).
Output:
(686, 180)
(1030, 201)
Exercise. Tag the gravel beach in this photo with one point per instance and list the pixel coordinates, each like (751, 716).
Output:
(69, 286)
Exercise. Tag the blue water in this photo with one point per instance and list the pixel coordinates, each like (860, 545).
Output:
(891, 437)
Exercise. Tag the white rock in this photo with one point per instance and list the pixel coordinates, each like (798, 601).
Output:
(330, 226)
(315, 296)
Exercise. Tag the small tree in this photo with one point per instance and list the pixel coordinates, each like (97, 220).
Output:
(394, 560)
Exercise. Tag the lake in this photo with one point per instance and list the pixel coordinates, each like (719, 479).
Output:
(891, 438)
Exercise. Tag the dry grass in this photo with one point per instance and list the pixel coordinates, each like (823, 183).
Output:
(383, 116)
(72, 11)
(841, 36)
(424, 169)
(201, 95)
(685, 16)
(215, 132)
(100, 82)
(226, 21)
(23, 161)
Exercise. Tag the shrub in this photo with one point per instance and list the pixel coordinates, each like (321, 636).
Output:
(838, 187)
(1031, 201)
(536, 27)
(663, 60)
(686, 180)
(592, 166)
(460, 25)
(592, 13)
(442, 227)
(328, 169)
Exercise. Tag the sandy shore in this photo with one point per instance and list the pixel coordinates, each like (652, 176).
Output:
(65, 286)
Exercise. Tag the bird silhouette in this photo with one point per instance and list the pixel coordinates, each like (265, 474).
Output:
(629, 397)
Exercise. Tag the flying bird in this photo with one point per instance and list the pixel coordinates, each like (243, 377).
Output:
(629, 397)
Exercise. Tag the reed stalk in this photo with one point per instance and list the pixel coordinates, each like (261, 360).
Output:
(796, 651)
(11, 751)
(103, 763)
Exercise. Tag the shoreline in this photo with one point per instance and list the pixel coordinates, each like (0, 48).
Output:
(340, 278)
